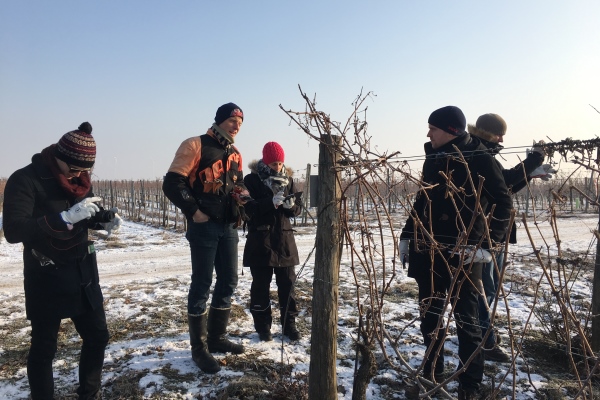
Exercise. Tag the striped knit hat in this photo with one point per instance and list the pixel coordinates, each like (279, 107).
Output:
(77, 148)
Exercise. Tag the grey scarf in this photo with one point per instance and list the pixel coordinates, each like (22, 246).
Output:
(223, 137)
(276, 181)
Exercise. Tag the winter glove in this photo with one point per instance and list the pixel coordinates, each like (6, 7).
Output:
(476, 256)
(241, 195)
(537, 148)
(289, 203)
(278, 199)
(544, 172)
(113, 225)
(404, 245)
(82, 210)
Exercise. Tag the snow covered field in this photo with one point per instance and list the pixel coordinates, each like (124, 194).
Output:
(144, 274)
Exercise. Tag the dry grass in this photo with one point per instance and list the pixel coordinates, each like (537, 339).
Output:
(160, 316)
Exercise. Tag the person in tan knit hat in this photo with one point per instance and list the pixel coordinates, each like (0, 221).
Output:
(491, 129)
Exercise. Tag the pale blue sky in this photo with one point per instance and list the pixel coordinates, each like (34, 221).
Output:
(149, 74)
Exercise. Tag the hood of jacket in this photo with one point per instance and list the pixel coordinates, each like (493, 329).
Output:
(488, 139)
(253, 166)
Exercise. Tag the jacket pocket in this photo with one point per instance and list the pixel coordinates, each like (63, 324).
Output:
(212, 205)
(90, 280)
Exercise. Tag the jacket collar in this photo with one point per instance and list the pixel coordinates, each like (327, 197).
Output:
(461, 142)
(41, 169)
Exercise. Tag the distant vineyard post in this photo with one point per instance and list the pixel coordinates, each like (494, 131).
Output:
(306, 198)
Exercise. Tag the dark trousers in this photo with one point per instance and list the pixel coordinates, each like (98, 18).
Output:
(260, 303)
(491, 282)
(92, 329)
(433, 288)
(214, 247)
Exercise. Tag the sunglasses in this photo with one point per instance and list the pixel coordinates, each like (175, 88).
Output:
(75, 170)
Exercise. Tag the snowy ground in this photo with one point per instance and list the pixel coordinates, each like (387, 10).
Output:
(144, 275)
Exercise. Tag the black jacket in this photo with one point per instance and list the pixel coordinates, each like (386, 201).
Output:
(33, 201)
(436, 204)
(516, 178)
(270, 241)
(187, 184)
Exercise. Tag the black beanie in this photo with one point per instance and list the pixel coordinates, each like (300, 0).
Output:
(449, 119)
(77, 148)
(226, 111)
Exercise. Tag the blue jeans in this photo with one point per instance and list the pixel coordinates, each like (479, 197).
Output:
(490, 279)
(214, 247)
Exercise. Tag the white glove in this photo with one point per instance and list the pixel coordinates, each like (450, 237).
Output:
(82, 210)
(476, 256)
(113, 225)
(404, 246)
(544, 172)
(289, 203)
(278, 199)
(537, 148)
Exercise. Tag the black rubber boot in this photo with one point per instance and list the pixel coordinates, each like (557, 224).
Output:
(262, 324)
(198, 334)
(217, 329)
(288, 326)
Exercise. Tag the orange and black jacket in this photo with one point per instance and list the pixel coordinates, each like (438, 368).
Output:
(202, 176)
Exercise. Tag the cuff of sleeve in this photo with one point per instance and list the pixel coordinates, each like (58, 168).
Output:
(189, 213)
(54, 226)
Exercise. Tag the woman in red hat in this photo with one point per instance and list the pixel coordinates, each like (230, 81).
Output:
(270, 245)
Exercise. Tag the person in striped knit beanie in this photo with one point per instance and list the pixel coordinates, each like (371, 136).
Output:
(49, 207)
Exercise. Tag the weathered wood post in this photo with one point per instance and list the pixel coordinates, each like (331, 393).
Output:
(323, 351)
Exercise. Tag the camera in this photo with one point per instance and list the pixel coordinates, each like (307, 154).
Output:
(297, 195)
(103, 216)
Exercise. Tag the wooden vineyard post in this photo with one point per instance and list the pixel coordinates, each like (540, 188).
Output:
(323, 351)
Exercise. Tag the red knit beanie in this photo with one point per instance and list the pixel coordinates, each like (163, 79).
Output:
(272, 152)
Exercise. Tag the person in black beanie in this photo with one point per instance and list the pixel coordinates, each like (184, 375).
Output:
(442, 241)
(49, 206)
(205, 181)
(490, 130)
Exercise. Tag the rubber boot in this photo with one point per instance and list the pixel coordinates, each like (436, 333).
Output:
(288, 326)
(262, 323)
(198, 338)
(217, 329)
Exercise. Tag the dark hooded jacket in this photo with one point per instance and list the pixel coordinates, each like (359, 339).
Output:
(270, 240)
(515, 178)
(33, 200)
(436, 203)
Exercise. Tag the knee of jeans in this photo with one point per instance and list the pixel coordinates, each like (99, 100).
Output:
(41, 349)
(428, 324)
(97, 339)
(103, 338)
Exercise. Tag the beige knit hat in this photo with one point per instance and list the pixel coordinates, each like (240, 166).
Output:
(488, 127)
